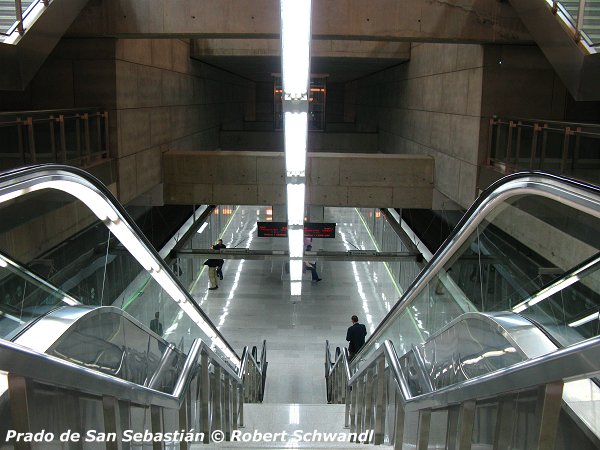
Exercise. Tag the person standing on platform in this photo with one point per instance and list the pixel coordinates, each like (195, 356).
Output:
(212, 271)
(355, 336)
(220, 245)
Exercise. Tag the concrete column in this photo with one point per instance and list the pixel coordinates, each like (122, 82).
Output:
(315, 213)
(279, 213)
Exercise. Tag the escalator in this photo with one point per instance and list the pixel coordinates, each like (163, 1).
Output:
(138, 357)
(486, 349)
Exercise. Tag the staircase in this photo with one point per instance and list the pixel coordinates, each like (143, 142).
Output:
(23, 55)
(591, 19)
(575, 60)
(7, 15)
(298, 426)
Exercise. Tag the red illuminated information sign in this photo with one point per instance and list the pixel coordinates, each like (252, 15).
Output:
(319, 230)
(311, 230)
(272, 229)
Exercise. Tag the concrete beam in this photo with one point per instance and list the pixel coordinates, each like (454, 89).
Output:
(333, 179)
(411, 20)
(329, 48)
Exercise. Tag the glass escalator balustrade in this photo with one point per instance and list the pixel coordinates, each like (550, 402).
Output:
(66, 244)
(532, 249)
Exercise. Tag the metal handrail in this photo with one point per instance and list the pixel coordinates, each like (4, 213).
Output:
(17, 182)
(248, 358)
(579, 195)
(49, 112)
(560, 123)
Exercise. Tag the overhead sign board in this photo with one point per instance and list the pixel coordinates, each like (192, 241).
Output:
(311, 229)
(319, 230)
(272, 229)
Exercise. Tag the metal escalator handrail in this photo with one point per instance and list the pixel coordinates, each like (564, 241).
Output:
(53, 371)
(247, 358)
(575, 362)
(579, 195)
(341, 359)
(15, 183)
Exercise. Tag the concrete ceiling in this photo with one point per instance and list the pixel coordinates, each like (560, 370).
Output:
(340, 70)
(342, 60)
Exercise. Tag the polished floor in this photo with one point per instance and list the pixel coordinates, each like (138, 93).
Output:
(253, 303)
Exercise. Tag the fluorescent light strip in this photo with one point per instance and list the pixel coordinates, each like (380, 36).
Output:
(545, 293)
(295, 204)
(295, 129)
(296, 243)
(585, 320)
(295, 43)
(202, 228)
(295, 288)
(296, 270)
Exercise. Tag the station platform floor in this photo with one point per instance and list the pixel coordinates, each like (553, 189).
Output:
(253, 302)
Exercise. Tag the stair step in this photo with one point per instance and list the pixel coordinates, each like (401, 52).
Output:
(305, 426)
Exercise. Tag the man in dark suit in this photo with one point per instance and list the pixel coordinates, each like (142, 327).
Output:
(356, 336)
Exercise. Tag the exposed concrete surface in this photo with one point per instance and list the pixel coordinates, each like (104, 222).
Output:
(410, 20)
(333, 179)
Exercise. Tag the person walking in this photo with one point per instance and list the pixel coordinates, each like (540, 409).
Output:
(355, 336)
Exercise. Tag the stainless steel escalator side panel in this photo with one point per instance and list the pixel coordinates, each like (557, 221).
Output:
(106, 339)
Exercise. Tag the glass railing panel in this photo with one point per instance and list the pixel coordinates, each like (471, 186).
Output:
(385, 239)
(568, 309)
(190, 270)
(468, 349)
(24, 298)
(109, 342)
(53, 233)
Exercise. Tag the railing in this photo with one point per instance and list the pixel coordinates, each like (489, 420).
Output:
(583, 16)
(378, 398)
(207, 396)
(256, 372)
(22, 9)
(556, 147)
(337, 373)
(74, 136)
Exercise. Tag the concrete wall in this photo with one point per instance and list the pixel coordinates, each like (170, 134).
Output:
(332, 179)
(440, 103)
(157, 97)
(340, 141)
(165, 100)
(429, 106)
